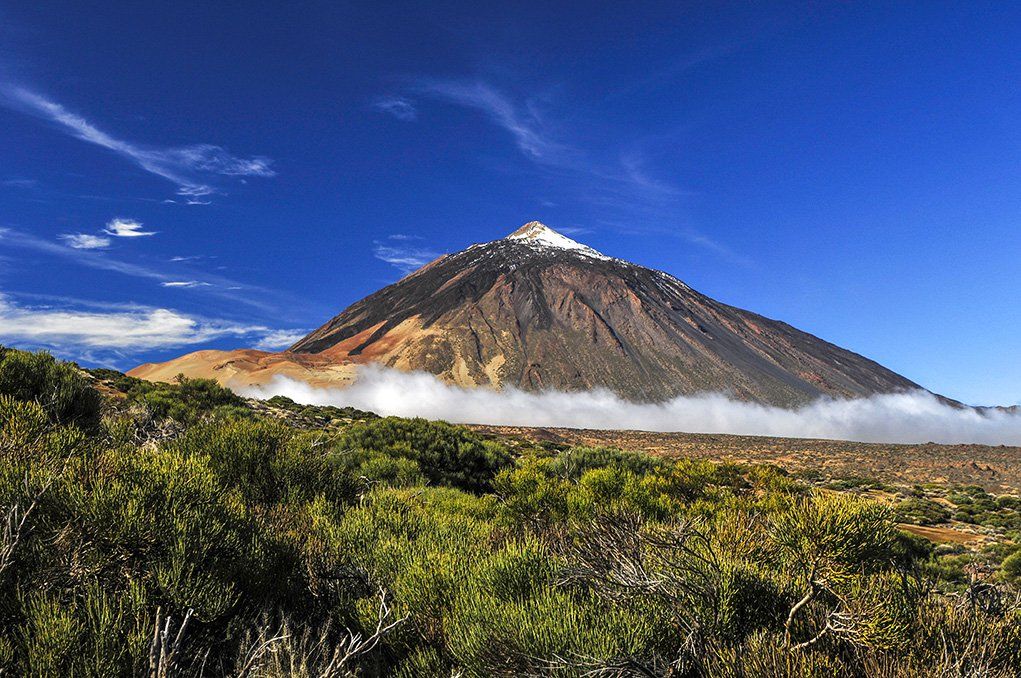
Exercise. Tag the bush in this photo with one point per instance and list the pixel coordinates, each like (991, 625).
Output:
(1011, 566)
(186, 400)
(446, 455)
(414, 548)
(65, 392)
(921, 512)
(548, 633)
(268, 462)
(322, 414)
(574, 462)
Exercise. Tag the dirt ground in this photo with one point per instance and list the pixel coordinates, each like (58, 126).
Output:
(997, 469)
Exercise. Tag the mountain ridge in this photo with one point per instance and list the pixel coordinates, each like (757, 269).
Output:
(537, 310)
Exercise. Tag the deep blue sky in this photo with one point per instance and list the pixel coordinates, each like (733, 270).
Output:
(852, 169)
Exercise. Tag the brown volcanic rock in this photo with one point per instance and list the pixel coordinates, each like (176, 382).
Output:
(538, 311)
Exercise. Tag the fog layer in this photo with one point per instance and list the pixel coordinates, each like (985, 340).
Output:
(913, 417)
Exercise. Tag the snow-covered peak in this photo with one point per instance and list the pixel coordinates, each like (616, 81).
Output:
(539, 234)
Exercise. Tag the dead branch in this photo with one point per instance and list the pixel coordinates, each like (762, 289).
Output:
(165, 648)
(355, 645)
(273, 652)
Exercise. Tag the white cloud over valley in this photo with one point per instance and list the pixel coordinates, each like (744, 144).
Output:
(913, 417)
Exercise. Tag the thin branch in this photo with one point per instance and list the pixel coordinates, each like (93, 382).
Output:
(164, 653)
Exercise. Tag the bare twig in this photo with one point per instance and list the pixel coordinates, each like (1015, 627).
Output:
(257, 651)
(16, 518)
(354, 645)
(279, 652)
(165, 648)
(13, 529)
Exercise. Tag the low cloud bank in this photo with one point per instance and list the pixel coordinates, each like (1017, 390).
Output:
(914, 417)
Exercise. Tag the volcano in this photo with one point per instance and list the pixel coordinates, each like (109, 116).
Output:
(538, 311)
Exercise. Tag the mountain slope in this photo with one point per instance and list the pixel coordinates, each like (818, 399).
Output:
(537, 310)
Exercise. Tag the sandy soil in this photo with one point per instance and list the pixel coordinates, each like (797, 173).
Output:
(245, 367)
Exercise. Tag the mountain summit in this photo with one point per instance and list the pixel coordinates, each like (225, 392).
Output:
(538, 310)
(541, 235)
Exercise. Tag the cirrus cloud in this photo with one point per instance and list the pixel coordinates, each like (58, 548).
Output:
(126, 228)
(403, 257)
(184, 283)
(398, 107)
(188, 167)
(85, 241)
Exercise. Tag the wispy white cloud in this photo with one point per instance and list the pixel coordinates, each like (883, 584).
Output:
(679, 66)
(573, 230)
(405, 258)
(85, 241)
(184, 283)
(280, 339)
(398, 107)
(126, 228)
(19, 183)
(251, 295)
(75, 330)
(529, 130)
(612, 180)
(635, 173)
(10, 237)
(184, 166)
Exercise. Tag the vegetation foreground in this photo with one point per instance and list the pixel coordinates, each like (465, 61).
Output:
(168, 530)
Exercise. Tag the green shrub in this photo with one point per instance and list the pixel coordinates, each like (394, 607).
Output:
(490, 637)
(186, 400)
(278, 542)
(64, 392)
(1011, 567)
(614, 490)
(267, 462)
(921, 512)
(393, 471)
(531, 496)
(575, 461)
(425, 662)
(856, 483)
(446, 455)
(832, 535)
(323, 414)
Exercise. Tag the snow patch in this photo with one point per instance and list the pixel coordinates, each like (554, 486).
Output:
(539, 234)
